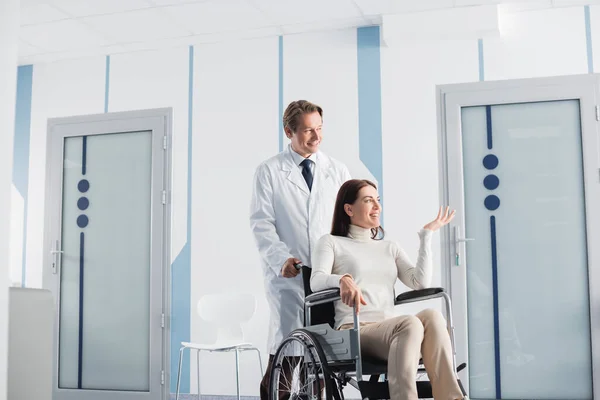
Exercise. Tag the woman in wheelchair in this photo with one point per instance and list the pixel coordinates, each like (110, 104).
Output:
(356, 259)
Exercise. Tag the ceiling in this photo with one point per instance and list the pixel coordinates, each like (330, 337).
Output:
(60, 29)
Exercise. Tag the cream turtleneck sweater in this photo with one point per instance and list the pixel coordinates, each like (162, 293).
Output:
(374, 265)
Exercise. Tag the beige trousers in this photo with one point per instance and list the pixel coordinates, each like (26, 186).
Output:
(402, 341)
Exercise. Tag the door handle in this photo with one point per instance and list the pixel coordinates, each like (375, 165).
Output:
(57, 253)
(457, 241)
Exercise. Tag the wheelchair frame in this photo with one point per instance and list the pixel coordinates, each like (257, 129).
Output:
(342, 348)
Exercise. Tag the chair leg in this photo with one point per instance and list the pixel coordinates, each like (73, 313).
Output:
(237, 372)
(179, 372)
(198, 372)
(262, 372)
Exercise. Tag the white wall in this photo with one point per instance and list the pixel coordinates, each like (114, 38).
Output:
(235, 128)
(236, 124)
(322, 67)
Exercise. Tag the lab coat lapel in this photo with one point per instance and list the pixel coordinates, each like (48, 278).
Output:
(293, 174)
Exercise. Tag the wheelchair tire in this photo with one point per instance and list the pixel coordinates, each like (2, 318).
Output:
(310, 376)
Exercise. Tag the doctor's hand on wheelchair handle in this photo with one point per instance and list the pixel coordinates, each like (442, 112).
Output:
(351, 293)
(289, 269)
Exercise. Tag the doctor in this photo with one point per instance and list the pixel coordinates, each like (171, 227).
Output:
(292, 207)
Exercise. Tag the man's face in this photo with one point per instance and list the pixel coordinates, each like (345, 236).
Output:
(307, 137)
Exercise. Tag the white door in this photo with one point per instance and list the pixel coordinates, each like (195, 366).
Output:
(106, 254)
(520, 164)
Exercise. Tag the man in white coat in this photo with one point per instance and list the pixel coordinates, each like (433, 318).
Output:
(292, 207)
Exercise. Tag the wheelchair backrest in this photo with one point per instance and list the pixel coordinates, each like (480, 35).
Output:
(322, 313)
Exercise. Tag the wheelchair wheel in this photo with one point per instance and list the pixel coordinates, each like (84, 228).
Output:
(299, 370)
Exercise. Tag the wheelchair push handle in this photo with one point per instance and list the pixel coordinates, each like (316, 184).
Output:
(299, 266)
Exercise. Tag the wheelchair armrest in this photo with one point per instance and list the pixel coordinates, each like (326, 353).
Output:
(418, 295)
(323, 296)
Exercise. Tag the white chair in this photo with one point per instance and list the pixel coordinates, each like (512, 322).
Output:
(227, 312)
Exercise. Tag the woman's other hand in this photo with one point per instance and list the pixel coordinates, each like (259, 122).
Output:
(351, 293)
(443, 218)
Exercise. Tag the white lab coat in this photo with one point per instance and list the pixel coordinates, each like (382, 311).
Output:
(287, 220)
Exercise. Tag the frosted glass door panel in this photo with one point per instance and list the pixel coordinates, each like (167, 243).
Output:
(104, 341)
(527, 274)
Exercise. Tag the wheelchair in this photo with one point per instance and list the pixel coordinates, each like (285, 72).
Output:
(318, 361)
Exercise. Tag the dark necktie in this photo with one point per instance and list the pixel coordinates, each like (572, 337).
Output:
(307, 173)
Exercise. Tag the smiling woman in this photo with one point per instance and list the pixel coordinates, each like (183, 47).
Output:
(357, 203)
(356, 259)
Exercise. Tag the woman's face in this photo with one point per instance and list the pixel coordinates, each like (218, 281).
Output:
(364, 212)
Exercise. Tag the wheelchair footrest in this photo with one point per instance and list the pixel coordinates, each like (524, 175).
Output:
(380, 390)
(424, 390)
(374, 390)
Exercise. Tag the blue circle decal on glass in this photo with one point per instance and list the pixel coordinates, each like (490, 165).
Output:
(491, 182)
(83, 185)
(492, 202)
(83, 203)
(82, 221)
(490, 161)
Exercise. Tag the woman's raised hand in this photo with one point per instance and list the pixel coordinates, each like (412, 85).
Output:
(443, 218)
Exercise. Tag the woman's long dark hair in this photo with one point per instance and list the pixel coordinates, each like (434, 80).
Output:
(348, 194)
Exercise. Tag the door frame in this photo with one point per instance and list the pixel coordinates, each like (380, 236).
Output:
(53, 202)
(450, 99)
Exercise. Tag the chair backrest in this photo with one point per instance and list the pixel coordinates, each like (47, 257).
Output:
(323, 313)
(227, 311)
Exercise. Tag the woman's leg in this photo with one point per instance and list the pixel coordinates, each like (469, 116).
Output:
(437, 356)
(397, 340)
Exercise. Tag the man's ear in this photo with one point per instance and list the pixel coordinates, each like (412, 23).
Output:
(288, 132)
(348, 209)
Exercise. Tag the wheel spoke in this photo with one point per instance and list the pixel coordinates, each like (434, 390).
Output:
(298, 372)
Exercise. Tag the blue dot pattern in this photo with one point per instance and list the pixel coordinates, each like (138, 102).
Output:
(490, 161)
(83, 185)
(83, 203)
(491, 182)
(82, 221)
(492, 202)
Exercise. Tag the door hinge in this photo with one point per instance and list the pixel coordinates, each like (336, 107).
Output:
(597, 113)
(164, 197)
(162, 320)
(162, 377)
(164, 142)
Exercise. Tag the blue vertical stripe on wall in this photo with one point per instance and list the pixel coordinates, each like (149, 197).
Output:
(588, 40)
(106, 83)
(369, 102)
(480, 56)
(280, 93)
(181, 268)
(20, 174)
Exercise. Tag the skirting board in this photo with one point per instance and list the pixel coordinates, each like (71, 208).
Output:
(188, 396)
